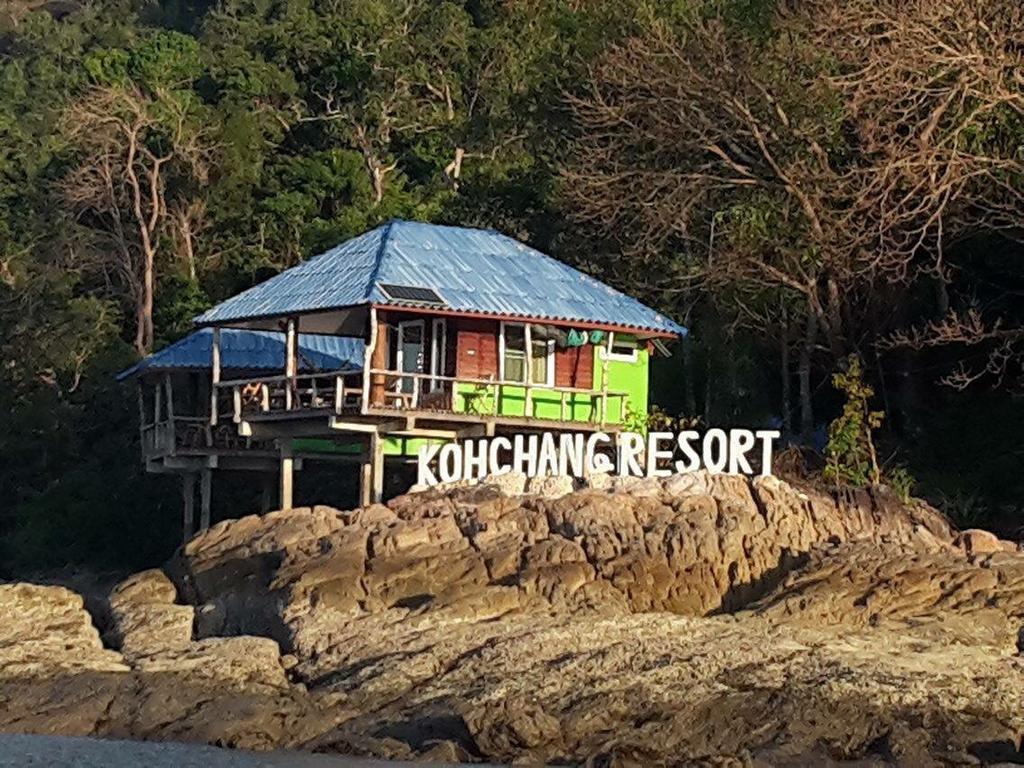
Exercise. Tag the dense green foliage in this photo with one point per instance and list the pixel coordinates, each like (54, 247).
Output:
(272, 129)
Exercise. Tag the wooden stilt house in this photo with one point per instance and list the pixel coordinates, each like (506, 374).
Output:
(462, 333)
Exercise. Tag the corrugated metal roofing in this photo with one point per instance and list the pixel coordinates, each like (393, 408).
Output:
(259, 350)
(474, 270)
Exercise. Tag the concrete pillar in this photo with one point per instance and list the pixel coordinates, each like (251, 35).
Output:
(287, 474)
(371, 477)
(377, 457)
(188, 495)
(205, 497)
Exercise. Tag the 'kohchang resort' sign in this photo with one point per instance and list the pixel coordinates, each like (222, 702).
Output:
(628, 454)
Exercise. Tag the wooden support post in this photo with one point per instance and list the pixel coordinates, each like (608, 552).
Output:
(371, 344)
(287, 474)
(169, 394)
(188, 495)
(214, 375)
(142, 402)
(169, 410)
(142, 420)
(205, 497)
(267, 492)
(291, 361)
(604, 384)
(339, 393)
(528, 337)
(378, 360)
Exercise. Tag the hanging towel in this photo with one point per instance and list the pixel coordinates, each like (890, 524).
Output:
(576, 338)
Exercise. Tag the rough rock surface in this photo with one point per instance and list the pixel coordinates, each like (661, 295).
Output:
(56, 676)
(697, 619)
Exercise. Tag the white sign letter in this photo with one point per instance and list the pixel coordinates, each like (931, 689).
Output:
(715, 460)
(425, 455)
(740, 441)
(692, 461)
(767, 436)
(654, 454)
(631, 445)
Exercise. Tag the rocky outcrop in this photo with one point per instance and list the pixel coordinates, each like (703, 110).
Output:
(57, 677)
(860, 585)
(691, 619)
(689, 544)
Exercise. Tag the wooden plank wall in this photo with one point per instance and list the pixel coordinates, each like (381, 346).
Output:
(574, 367)
(477, 351)
(477, 354)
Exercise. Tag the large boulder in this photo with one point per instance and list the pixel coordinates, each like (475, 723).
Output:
(55, 674)
(144, 617)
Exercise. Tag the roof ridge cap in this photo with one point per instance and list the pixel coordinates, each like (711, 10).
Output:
(379, 258)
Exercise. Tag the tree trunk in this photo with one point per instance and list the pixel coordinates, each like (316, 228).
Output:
(835, 321)
(804, 375)
(689, 396)
(708, 389)
(148, 290)
(787, 419)
(140, 326)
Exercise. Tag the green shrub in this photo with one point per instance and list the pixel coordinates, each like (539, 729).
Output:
(901, 481)
(850, 457)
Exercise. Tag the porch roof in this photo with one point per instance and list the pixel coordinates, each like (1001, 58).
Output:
(471, 271)
(252, 350)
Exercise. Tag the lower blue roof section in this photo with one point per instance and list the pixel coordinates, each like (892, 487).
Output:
(259, 350)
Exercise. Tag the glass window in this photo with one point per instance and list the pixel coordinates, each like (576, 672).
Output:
(621, 347)
(514, 355)
(540, 361)
(516, 339)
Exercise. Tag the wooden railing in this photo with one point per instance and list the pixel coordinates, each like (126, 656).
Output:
(194, 434)
(342, 392)
(335, 391)
(408, 391)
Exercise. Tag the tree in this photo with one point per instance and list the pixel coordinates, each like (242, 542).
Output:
(819, 168)
(139, 160)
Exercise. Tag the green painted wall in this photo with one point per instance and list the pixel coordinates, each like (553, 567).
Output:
(626, 377)
(623, 376)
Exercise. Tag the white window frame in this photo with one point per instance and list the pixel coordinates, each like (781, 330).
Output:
(438, 352)
(400, 353)
(607, 354)
(549, 380)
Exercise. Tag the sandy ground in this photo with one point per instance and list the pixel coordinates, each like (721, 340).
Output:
(21, 751)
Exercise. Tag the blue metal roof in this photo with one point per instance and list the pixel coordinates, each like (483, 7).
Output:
(253, 350)
(474, 270)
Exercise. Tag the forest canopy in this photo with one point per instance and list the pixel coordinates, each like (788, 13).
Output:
(796, 182)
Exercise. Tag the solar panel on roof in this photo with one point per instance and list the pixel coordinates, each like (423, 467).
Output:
(412, 293)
